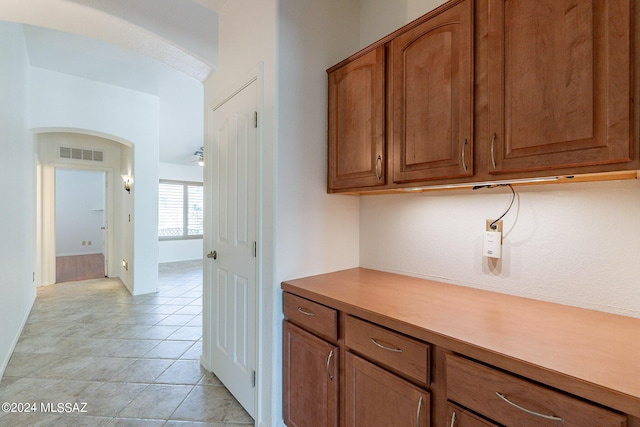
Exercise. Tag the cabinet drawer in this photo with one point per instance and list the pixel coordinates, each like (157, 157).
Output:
(315, 317)
(515, 402)
(399, 353)
(458, 417)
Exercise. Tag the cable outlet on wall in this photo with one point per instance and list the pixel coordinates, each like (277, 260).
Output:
(496, 227)
(492, 243)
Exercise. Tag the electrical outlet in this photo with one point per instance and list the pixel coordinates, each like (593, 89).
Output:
(125, 265)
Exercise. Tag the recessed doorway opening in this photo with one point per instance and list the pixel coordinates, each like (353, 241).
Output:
(80, 224)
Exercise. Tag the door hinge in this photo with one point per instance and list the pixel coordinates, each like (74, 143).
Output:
(255, 119)
(255, 249)
(253, 379)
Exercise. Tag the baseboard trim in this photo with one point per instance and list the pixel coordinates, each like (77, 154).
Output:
(5, 361)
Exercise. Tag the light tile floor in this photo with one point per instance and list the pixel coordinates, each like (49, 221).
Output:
(134, 361)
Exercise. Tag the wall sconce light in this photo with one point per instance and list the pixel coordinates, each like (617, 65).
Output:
(127, 183)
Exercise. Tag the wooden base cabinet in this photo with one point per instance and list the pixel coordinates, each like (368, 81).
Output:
(405, 361)
(515, 402)
(311, 382)
(376, 398)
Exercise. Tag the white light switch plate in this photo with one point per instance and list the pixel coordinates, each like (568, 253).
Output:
(492, 244)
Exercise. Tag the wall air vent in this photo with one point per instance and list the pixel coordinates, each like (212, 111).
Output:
(80, 154)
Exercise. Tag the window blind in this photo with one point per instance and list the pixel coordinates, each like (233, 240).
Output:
(181, 206)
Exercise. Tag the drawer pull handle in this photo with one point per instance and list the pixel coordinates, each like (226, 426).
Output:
(453, 419)
(378, 167)
(395, 350)
(528, 411)
(305, 312)
(328, 363)
(418, 412)
(464, 158)
(493, 156)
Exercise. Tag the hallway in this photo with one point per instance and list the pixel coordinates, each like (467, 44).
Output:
(112, 359)
(79, 267)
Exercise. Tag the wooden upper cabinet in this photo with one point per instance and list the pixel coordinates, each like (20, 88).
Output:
(559, 76)
(432, 73)
(356, 123)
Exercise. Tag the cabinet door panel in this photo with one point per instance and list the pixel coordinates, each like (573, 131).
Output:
(310, 379)
(432, 98)
(356, 123)
(559, 83)
(458, 417)
(376, 398)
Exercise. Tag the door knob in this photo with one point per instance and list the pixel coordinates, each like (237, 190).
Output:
(212, 254)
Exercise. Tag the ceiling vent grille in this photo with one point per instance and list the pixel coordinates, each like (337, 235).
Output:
(80, 154)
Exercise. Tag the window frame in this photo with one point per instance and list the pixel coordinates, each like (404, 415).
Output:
(185, 210)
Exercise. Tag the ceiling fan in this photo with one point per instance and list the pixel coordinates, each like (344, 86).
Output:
(200, 153)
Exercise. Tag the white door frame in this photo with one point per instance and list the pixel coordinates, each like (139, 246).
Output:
(256, 75)
(48, 203)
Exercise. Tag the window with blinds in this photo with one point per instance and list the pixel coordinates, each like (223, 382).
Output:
(180, 210)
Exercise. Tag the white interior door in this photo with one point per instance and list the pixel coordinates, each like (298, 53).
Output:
(233, 266)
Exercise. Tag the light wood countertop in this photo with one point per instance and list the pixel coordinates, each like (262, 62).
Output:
(588, 353)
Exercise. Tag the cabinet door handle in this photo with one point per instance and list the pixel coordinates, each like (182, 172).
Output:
(378, 167)
(453, 419)
(493, 156)
(329, 362)
(395, 350)
(464, 159)
(528, 411)
(305, 312)
(418, 412)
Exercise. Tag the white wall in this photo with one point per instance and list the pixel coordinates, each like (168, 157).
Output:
(80, 203)
(17, 172)
(180, 250)
(381, 17)
(575, 244)
(61, 101)
(127, 220)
